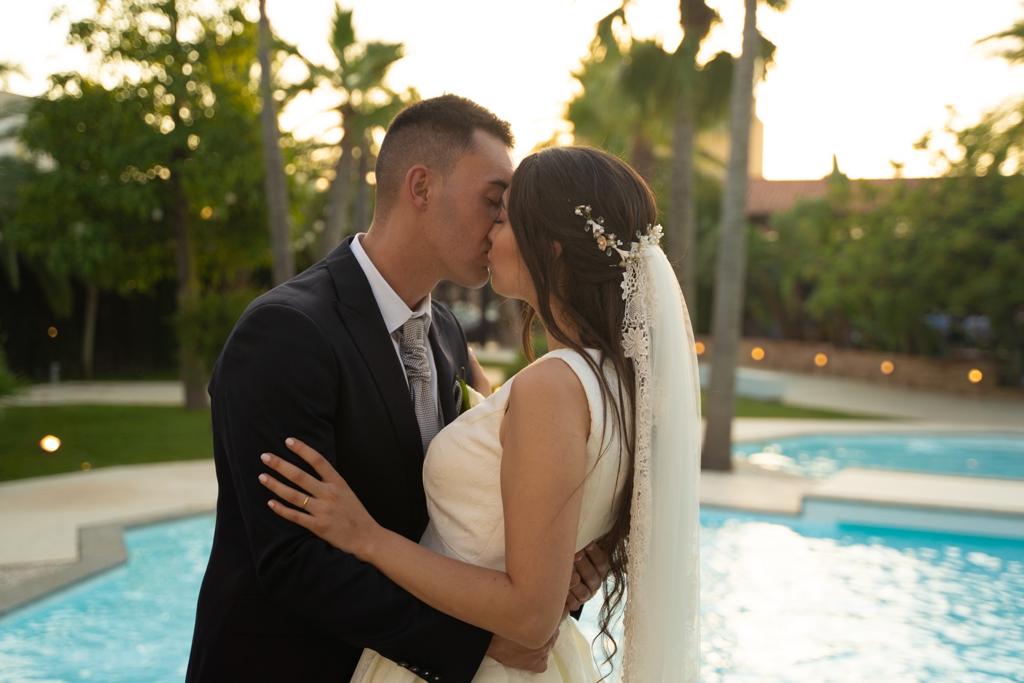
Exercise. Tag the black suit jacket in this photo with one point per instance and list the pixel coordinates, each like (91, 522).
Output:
(313, 359)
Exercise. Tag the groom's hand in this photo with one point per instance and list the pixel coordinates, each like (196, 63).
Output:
(477, 378)
(589, 571)
(515, 656)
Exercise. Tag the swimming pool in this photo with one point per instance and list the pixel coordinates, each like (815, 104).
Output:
(781, 601)
(985, 455)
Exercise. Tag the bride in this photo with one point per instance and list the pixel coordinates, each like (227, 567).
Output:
(596, 439)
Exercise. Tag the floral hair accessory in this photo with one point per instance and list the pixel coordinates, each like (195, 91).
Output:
(609, 243)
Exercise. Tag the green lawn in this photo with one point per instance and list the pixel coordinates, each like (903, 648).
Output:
(748, 407)
(100, 436)
(122, 435)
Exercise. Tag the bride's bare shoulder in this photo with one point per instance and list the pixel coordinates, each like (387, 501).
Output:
(550, 384)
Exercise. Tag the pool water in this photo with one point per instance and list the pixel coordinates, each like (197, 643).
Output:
(782, 600)
(985, 455)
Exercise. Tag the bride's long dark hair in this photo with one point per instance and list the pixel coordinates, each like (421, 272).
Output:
(586, 283)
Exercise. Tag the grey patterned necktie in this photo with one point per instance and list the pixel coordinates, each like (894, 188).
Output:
(413, 349)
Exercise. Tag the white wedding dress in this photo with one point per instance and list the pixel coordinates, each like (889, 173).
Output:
(462, 480)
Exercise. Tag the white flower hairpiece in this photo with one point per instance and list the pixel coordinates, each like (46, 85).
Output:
(609, 243)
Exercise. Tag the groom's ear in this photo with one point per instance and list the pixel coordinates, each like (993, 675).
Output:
(417, 186)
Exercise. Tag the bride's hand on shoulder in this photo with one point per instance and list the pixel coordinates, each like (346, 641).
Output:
(326, 506)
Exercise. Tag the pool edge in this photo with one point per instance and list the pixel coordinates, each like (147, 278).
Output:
(100, 549)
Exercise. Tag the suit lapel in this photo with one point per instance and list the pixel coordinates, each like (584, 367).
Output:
(360, 315)
(445, 374)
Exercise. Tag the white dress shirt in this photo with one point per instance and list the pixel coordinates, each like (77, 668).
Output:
(394, 311)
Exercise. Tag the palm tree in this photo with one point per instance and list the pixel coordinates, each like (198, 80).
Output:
(727, 309)
(358, 80)
(696, 19)
(623, 109)
(646, 73)
(373, 116)
(1015, 34)
(620, 106)
(274, 181)
(8, 69)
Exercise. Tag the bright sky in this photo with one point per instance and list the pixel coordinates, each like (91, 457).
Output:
(862, 79)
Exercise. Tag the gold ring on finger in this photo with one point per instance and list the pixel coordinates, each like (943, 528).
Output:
(304, 503)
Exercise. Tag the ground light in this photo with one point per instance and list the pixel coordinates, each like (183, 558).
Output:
(49, 443)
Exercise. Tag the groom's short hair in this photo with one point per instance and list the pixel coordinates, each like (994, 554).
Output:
(435, 133)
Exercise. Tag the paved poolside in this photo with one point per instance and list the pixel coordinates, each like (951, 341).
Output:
(55, 530)
(40, 517)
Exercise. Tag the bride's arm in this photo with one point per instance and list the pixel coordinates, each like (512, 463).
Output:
(544, 437)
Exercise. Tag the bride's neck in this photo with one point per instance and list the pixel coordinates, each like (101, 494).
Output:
(565, 325)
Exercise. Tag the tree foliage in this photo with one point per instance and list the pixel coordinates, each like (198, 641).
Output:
(149, 164)
(927, 268)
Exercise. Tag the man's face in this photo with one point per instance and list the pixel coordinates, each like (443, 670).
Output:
(469, 201)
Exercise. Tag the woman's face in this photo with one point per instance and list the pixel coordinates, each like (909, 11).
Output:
(509, 275)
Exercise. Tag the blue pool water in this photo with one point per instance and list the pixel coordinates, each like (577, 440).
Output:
(984, 455)
(781, 601)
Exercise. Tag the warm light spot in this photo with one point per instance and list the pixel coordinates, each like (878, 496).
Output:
(49, 443)
(51, 331)
(86, 465)
(321, 184)
(820, 359)
(371, 178)
(975, 376)
(887, 367)
(206, 213)
(757, 353)
(700, 348)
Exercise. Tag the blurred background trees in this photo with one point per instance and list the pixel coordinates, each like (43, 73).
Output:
(155, 194)
(164, 166)
(918, 266)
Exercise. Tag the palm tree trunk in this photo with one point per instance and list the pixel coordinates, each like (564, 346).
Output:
(339, 196)
(361, 211)
(92, 298)
(695, 18)
(643, 157)
(274, 181)
(727, 311)
(683, 219)
(191, 369)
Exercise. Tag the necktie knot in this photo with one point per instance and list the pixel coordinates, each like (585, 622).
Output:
(414, 350)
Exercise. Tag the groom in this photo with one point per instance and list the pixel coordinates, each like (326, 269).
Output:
(353, 357)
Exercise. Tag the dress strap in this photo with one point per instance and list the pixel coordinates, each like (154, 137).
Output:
(591, 385)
